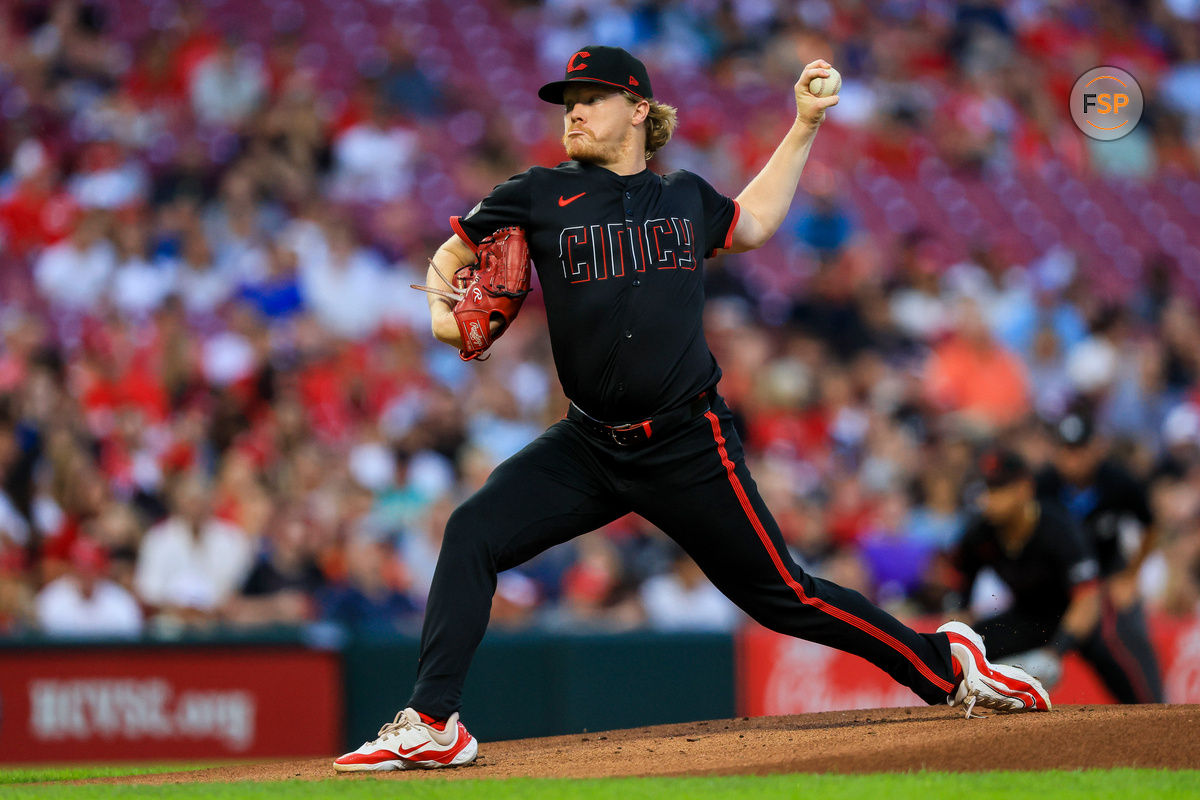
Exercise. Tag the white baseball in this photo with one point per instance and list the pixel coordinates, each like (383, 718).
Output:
(824, 87)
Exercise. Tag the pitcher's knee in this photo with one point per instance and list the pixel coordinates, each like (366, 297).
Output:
(467, 530)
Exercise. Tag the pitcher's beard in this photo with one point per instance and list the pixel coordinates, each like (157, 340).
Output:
(585, 148)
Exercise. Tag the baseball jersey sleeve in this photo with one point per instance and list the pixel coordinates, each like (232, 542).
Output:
(720, 217)
(506, 206)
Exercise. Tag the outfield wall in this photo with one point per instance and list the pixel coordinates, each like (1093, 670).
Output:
(234, 697)
(317, 692)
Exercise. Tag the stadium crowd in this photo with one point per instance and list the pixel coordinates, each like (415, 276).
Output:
(220, 403)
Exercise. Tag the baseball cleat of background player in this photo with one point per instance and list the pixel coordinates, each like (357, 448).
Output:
(411, 741)
(999, 687)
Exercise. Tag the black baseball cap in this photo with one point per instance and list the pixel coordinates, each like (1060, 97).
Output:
(606, 66)
(1074, 430)
(1000, 467)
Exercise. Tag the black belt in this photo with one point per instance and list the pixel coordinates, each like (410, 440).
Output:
(635, 433)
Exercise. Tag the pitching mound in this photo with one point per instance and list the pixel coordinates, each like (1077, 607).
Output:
(885, 740)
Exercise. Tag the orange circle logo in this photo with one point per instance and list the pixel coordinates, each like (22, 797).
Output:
(1106, 103)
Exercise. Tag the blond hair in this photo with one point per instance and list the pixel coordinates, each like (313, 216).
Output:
(660, 123)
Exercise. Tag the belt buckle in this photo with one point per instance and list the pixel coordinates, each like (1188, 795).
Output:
(626, 435)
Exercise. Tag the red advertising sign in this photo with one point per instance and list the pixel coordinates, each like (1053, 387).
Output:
(781, 675)
(142, 703)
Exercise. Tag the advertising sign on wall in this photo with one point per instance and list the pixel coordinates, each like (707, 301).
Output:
(133, 704)
(781, 675)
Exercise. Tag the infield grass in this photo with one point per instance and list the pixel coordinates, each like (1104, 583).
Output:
(1119, 784)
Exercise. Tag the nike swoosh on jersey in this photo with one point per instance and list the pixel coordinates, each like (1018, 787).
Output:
(564, 203)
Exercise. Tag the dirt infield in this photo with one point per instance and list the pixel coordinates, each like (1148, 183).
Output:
(886, 740)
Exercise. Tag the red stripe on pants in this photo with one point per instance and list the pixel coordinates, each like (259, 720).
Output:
(814, 602)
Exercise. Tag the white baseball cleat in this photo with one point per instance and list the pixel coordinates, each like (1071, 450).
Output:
(999, 687)
(408, 742)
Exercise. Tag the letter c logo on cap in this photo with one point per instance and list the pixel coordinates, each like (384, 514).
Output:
(572, 66)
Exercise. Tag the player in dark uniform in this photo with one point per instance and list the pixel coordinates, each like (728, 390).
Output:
(1113, 508)
(1043, 557)
(619, 252)
(1046, 560)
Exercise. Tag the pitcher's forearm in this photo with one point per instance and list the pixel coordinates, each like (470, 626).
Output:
(449, 258)
(768, 196)
(444, 327)
(766, 199)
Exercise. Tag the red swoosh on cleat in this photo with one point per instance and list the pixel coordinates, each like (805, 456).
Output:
(443, 756)
(564, 203)
(1016, 689)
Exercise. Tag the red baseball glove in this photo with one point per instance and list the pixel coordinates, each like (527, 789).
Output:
(491, 289)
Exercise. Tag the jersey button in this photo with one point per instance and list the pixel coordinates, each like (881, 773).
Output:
(628, 334)
(637, 282)
(620, 387)
(628, 195)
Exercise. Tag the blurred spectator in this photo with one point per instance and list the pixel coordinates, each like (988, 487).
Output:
(684, 600)
(78, 493)
(515, 601)
(342, 284)
(1180, 333)
(1002, 293)
(234, 227)
(284, 578)
(896, 559)
(420, 548)
(829, 311)
(1048, 379)
(370, 596)
(917, 306)
(17, 612)
(406, 85)
(14, 528)
(139, 285)
(230, 356)
(86, 603)
(201, 284)
(118, 531)
(938, 518)
(595, 590)
(975, 376)
(498, 427)
(227, 86)
(825, 226)
(108, 178)
(373, 158)
(192, 562)
(34, 212)
(74, 273)
(276, 293)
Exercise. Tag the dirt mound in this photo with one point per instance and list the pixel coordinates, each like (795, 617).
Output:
(885, 740)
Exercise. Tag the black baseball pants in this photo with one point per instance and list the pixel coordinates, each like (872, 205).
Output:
(1119, 649)
(692, 483)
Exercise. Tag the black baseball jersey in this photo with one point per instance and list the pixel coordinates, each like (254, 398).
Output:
(1104, 507)
(620, 263)
(1054, 560)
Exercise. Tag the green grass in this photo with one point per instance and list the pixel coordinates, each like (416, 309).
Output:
(1119, 784)
(10, 775)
